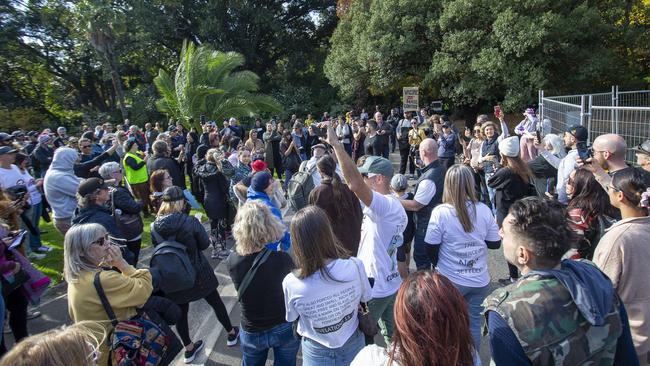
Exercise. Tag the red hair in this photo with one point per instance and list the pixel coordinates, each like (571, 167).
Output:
(431, 323)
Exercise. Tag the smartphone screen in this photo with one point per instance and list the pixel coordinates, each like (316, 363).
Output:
(583, 152)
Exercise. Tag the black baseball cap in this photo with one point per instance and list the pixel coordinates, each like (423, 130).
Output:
(91, 185)
(7, 150)
(579, 132)
(643, 147)
(172, 194)
(5, 136)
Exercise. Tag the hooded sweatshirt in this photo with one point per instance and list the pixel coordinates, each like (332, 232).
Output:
(593, 294)
(60, 183)
(285, 242)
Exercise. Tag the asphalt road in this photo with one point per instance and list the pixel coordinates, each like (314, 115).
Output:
(202, 320)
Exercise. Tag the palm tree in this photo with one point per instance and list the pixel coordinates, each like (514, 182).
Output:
(206, 83)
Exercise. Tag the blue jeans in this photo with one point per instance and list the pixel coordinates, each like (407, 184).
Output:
(35, 216)
(255, 346)
(420, 256)
(474, 297)
(287, 177)
(315, 354)
(491, 192)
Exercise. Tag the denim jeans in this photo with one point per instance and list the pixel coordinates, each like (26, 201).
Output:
(287, 177)
(381, 309)
(315, 354)
(255, 346)
(35, 217)
(420, 256)
(474, 297)
(491, 193)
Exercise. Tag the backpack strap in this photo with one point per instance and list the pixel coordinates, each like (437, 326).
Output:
(259, 260)
(159, 238)
(104, 300)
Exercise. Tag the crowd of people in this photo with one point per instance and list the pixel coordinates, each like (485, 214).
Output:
(570, 218)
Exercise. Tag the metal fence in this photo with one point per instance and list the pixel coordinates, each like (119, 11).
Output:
(626, 113)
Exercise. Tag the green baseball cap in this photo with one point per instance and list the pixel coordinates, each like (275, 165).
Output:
(377, 165)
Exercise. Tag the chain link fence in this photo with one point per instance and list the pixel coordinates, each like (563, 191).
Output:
(626, 113)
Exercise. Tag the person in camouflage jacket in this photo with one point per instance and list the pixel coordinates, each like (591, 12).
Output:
(559, 312)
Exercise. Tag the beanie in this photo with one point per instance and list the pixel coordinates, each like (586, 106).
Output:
(258, 166)
(509, 146)
(261, 181)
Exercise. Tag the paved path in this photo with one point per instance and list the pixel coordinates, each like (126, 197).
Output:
(203, 323)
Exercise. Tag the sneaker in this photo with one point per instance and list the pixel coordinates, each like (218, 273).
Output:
(191, 355)
(507, 281)
(233, 338)
(43, 249)
(35, 256)
(222, 254)
(215, 253)
(32, 314)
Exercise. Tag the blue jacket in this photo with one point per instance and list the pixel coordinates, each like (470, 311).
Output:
(447, 145)
(285, 242)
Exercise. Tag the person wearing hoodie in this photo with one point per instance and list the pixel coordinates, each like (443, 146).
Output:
(174, 222)
(261, 188)
(560, 312)
(60, 185)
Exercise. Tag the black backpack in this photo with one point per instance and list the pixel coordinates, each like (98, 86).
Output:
(171, 264)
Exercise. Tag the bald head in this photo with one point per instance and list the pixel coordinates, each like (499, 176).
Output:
(609, 151)
(428, 151)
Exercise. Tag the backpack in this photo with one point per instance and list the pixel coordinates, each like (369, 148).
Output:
(171, 264)
(138, 341)
(299, 187)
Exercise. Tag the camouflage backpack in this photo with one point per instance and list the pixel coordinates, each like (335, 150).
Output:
(549, 326)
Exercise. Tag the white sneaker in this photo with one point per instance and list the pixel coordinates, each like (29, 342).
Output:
(35, 256)
(44, 249)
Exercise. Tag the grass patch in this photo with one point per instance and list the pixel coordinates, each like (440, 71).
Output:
(52, 264)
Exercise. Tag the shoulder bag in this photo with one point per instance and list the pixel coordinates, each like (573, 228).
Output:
(367, 324)
(259, 260)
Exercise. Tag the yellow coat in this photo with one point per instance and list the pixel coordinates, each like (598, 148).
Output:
(125, 291)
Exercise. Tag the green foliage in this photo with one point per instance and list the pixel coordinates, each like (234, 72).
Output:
(206, 82)
(473, 52)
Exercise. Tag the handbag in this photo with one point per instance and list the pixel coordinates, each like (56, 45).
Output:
(367, 324)
(138, 341)
(12, 282)
(130, 225)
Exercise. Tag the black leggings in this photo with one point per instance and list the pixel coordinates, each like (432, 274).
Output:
(219, 308)
(16, 304)
(134, 247)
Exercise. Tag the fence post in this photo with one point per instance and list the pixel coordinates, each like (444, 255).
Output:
(582, 109)
(540, 97)
(589, 114)
(615, 111)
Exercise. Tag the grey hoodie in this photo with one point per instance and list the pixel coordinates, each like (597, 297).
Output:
(61, 184)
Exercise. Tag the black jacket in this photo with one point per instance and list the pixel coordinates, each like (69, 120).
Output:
(41, 159)
(123, 200)
(82, 169)
(95, 214)
(171, 165)
(191, 233)
(509, 188)
(215, 185)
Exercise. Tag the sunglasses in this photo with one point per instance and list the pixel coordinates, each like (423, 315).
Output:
(101, 241)
(85, 147)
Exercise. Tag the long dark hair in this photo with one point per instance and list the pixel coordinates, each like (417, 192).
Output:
(314, 242)
(589, 196)
(431, 323)
(519, 167)
(327, 166)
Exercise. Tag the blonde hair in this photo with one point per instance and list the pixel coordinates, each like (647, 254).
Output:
(69, 345)
(167, 208)
(76, 250)
(459, 188)
(254, 227)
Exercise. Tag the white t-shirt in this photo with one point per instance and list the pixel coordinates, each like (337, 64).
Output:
(13, 177)
(426, 191)
(463, 256)
(384, 222)
(327, 307)
(372, 355)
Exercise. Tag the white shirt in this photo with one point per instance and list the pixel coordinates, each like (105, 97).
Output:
(567, 165)
(463, 256)
(383, 223)
(315, 175)
(327, 307)
(372, 355)
(14, 177)
(426, 191)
